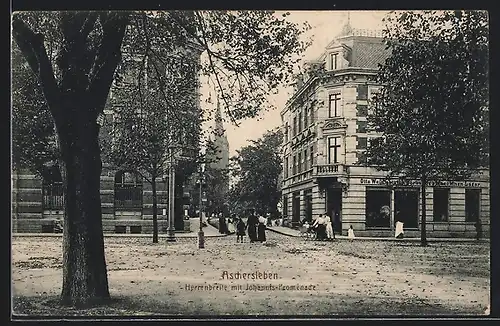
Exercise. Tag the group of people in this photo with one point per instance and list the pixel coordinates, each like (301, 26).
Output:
(323, 228)
(256, 227)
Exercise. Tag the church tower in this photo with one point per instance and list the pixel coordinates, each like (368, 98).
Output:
(217, 172)
(220, 156)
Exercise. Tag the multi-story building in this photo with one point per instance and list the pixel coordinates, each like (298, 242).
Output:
(325, 133)
(126, 198)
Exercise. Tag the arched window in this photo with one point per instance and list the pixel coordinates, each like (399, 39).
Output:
(128, 191)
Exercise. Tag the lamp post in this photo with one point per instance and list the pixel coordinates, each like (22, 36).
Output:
(171, 198)
(201, 234)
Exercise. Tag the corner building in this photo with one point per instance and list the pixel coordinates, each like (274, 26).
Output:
(325, 133)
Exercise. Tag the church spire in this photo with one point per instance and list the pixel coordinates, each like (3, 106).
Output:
(219, 126)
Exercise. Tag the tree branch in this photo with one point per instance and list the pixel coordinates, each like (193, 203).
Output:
(33, 49)
(108, 57)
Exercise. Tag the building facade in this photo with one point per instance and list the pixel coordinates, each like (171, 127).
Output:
(126, 198)
(325, 134)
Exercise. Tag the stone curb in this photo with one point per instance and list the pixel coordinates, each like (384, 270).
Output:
(113, 235)
(390, 239)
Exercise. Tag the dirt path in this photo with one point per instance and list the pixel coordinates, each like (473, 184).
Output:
(343, 277)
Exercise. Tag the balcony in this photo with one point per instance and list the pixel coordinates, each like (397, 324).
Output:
(329, 170)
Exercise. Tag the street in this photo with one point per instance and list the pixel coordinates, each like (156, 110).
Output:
(303, 277)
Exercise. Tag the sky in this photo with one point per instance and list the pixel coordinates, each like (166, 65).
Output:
(325, 25)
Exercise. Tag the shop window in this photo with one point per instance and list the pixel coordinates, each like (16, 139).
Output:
(378, 208)
(406, 207)
(472, 204)
(441, 204)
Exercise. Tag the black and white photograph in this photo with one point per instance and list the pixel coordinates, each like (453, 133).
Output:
(235, 164)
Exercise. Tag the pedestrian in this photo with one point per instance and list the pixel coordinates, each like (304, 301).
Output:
(350, 233)
(231, 224)
(320, 227)
(261, 229)
(330, 235)
(399, 230)
(221, 223)
(240, 230)
(479, 229)
(252, 227)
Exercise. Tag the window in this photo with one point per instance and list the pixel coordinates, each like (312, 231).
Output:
(300, 162)
(472, 204)
(294, 167)
(286, 132)
(306, 114)
(311, 155)
(52, 189)
(308, 204)
(135, 229)
(311, 115)
(285, 170)
(362, 142)
(440, 204)
(300, 122)
(378, 208)
(333, 106)
(333, 150)
(406, 207)
(333, 61)
(128, 191)
(285, 206)
(306, 159)
(120, 229)
(361, 126)
(53, 196)
(295, 126)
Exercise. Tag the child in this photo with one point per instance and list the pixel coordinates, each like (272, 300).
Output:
(350, 233)
(240, 230)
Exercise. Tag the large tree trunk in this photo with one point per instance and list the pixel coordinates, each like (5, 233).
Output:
(75, 99)
(155, 210)
(84, 266)
(423, 234)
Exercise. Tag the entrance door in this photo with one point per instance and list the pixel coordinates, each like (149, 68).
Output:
(334, 208)
(308, 204)
(406, 207)
(296, 208)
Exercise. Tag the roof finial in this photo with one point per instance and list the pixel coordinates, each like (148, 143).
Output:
(347, 29)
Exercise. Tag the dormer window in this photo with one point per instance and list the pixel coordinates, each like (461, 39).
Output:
(333, 61)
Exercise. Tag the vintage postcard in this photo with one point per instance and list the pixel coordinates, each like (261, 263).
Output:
(250, 164)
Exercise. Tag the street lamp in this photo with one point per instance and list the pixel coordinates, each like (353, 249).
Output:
(171, 197)
(201, 234)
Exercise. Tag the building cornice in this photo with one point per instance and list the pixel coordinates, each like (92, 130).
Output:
(337, 76)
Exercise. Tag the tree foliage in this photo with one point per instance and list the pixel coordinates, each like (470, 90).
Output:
(257, 168)
(432, 113)
(74, 56)
(33, 143)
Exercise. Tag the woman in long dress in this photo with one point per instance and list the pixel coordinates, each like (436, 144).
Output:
(261, 229)
(230, 225)
(320, 227)
(350, 233)
(252, 225)
(329, 229)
